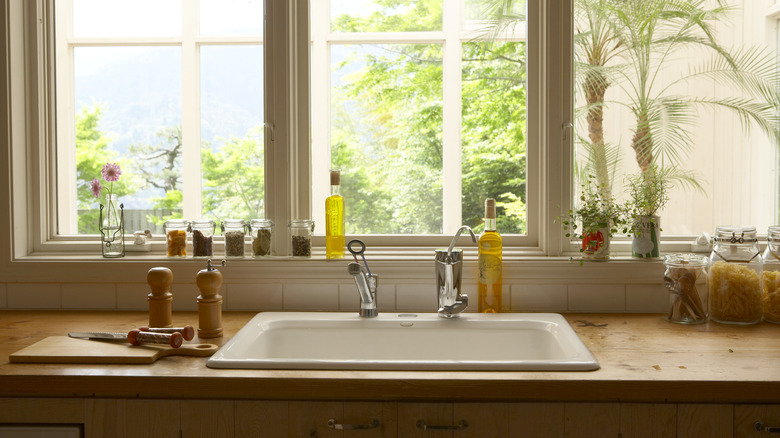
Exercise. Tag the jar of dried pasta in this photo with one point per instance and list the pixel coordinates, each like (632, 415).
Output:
(735, 276)
(176, 237)
(770, 275)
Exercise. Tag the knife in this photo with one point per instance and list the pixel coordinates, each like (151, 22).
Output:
(134, 337)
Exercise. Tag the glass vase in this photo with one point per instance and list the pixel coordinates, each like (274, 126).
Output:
(112, 227)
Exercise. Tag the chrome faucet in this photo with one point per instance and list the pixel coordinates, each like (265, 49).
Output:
(449, 269)
(366, 282)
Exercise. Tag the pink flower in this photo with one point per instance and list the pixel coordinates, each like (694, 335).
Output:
(96, 187)
(111, 172)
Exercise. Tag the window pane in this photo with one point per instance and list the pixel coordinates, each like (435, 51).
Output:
(126, 18)
(232, 131)
(493, 133)
(668, 104)
(386, 136)
(128, 111)
(392, 16)
(231, 17)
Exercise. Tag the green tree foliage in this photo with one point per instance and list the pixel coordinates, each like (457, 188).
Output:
(160, 166)
(92, 153)
(233, 178)
(387, 126)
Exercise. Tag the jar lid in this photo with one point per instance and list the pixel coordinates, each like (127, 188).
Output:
(686, 260)
(203, 222)
(261, 223)
(176, 223)
(233, 222)
(773, 233)
(301, 222)
(735, 234)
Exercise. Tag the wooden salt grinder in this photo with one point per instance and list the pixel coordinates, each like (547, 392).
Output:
(160, 299)
(209, 302)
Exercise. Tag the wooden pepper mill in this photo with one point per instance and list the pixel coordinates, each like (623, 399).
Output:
(209, 302)
(160, 299)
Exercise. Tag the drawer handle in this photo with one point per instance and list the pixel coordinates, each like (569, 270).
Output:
(338, 426)
(460, 426)
(759, 426)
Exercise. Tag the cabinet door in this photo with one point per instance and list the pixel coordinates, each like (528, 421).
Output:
(207, 419)
(147, 418)
(748, 417)
(485, 420)
(648, 420)
(412, 417)
(310, 419)
(261, 419)
(531, 420)
(363, 413)
(705, 420)
(591, 420)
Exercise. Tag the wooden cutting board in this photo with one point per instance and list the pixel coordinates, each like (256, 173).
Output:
(62, 349)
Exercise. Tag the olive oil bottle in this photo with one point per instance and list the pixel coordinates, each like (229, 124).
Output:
(490, 262)
(334, 219)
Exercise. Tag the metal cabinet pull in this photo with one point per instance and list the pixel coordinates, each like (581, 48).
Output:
(460, 426)
(338, 426)
(759, 426)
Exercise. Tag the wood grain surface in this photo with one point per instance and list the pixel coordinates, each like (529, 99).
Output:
(643, 358)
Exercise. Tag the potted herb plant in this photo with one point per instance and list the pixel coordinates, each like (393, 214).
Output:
(595, 220)
(649, 192)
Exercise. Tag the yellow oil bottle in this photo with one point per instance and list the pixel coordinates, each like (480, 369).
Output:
(490, 262)
(334, 219)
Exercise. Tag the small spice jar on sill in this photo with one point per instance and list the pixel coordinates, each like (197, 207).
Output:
(176, 237)
(301, 231)
(686, 280)
(261, 231)
(234, 231)
(770, 276)
(735, 276)
(203, 238)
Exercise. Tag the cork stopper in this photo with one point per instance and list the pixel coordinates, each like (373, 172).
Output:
(490, 208)
(335, 177)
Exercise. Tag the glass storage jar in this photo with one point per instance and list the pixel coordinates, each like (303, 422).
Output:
(686, 280)
(234, 231)
(176, 237)
(203, 238)
(261, 231)
(301, 231)
(770, 276)
(735, 276)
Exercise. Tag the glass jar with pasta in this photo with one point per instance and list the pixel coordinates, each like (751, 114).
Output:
(735, 276)
(770, 276)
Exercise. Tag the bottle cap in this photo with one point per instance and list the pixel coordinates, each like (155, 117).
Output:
(335, 177)
(490, 208)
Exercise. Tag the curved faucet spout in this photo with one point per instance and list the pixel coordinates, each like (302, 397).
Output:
(455, 239)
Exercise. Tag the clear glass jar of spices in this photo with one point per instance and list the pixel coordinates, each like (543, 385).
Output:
(686, 280)
(301, 231)
(261, 231)
(770, 276)
(203, 238)
(234, 231)
(176, 237)
(735, 276)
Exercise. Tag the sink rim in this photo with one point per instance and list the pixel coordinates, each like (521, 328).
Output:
(578, 356)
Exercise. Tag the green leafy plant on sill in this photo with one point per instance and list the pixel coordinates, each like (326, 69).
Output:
(594, 213)
(649, 193)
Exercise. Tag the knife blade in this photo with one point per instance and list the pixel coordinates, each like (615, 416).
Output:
(100, 336)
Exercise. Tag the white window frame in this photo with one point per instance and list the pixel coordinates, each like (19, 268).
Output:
(30, 245)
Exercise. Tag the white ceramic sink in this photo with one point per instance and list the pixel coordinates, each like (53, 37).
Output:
(406, 341)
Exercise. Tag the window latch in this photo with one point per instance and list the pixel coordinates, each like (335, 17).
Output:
(270, 126)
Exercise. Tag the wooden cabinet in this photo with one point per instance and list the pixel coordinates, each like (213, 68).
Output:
(756, 421)
(705, 420)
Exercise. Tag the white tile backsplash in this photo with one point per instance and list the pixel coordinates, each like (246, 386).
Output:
(349, 300)
(647, 298)
(34, 296)
(132, 296)
(3, 296)
(88, 296)
(311, 296)
(539, 298)
(185, 296)
(416, 298)
(597, 298)
(261, 297)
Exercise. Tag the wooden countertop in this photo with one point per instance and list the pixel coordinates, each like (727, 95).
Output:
(642, 357)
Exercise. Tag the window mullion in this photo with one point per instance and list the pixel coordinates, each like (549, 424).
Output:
(66, 132)
(320, 98)
(190, 102)
(451, 117)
